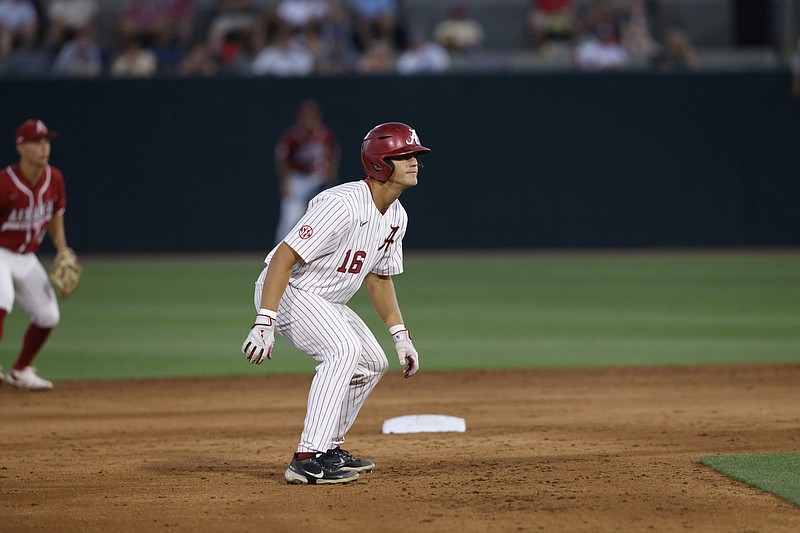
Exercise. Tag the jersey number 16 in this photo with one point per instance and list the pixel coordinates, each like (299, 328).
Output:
(357, 263)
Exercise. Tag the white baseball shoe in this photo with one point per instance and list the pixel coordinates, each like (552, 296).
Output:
(27, 379)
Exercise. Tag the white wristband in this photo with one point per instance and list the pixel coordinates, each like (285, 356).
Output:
(267, 312)
(397, 327)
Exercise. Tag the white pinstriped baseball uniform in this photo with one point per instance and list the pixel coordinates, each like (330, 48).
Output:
(341, 238)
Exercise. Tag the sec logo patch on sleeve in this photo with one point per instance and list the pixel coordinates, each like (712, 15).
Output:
(306, 232)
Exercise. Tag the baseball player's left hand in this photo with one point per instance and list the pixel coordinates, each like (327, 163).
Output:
(66, 272)
(261, 339)
(406, 352)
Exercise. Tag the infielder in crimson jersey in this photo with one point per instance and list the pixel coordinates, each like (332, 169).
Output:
(350, 234)
(306, 161)
(32, 203)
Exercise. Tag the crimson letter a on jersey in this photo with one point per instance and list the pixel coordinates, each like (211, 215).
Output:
(390, 239)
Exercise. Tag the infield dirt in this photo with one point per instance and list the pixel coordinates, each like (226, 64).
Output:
(553, 450)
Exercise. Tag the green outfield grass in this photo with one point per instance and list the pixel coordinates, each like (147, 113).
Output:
(186, 316)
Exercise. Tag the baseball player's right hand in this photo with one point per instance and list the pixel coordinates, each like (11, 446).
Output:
(406, 353)
(259, 342)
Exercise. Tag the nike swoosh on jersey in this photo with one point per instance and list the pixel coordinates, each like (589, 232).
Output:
(364, 222)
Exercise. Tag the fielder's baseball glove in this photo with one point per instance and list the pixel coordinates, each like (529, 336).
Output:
(66, 272)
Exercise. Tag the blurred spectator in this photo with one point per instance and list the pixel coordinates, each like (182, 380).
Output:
(459, 33)
(28, 60)
(378, 58)
(636, 34)
(135, 61)
(303, 15)
(551, 21)
(235, 56)
(375, 20)
(234, 26)
(157, 21)
(68, 18)
(269, 28)
(19, 25)
(304, 18)
(337, 59)
(337, 24)
(80, 57)
(679, 54)
(286, 57)
(600, 50)
(423, 57)
(200, 61)
(169, 53)
(796, 71)
(335, 53)
(594, 13)
(231, 21)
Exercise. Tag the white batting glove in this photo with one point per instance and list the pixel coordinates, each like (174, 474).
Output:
(406, 352)
(259, 342)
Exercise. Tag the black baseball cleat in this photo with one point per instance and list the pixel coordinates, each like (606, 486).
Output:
(344, 461)
(318, 469)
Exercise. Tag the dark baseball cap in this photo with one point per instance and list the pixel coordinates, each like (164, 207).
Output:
(33, 130)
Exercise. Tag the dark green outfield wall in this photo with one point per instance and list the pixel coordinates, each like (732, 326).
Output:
(540, 160)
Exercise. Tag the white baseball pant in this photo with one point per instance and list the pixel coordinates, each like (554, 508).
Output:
(351, 362)
(24, 280)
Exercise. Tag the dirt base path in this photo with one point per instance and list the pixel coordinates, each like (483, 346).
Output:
(551, 450)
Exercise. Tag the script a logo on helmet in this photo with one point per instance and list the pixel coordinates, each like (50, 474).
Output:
(413, 139)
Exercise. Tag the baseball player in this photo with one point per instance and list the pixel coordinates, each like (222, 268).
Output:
(306, 161)
(350, 234)
(32, 203)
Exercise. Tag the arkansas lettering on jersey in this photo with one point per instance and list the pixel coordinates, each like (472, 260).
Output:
(26, 209)
(342, 238)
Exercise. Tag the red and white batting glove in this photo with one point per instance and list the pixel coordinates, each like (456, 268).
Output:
(259, 342)
(406, 352)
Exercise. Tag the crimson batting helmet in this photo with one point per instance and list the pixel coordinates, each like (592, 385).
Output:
(392, 139)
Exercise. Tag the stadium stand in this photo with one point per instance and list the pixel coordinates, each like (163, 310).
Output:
(718, 29)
